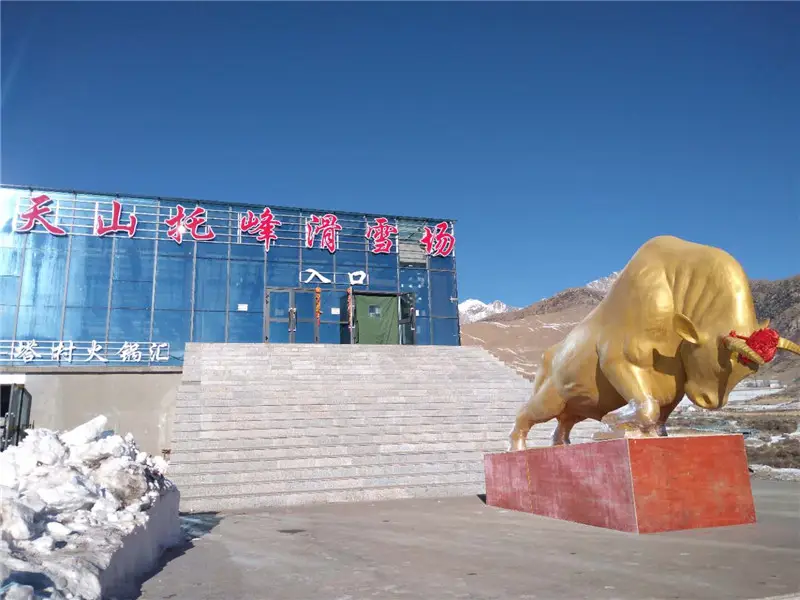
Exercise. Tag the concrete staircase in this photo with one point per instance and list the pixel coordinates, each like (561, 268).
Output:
(259, 425)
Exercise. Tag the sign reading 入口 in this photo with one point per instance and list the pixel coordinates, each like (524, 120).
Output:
(321, 231)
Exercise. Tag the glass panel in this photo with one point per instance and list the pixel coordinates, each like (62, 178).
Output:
(9, 289)
(349, 260)
(168, 247)
(283, 254)
(43, 277)
(85, 324)
(7, 314)
(89, 272)
(209, 327)
(423, 333)
(321, 260)
(382, 260)
(211, 284)
(126, 294)
(445, 332)
(246, 327)
(247, 285)
(279, 305)
(250, 252)
(443, 263)
(416, 280)
(44, 242)
(285, 274)
(351, 237)
(279, 332)
(10, 261)
(36, 324)
(217, 219)
(381, 279)
(331, 333)
(128, 325)
(304, 303)
(171, 326)
(442, 289)
(331, 303)
(410, 250)
(304, 333)
(174, 283)
(133, 259)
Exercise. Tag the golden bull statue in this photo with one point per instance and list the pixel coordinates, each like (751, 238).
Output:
(679, 320)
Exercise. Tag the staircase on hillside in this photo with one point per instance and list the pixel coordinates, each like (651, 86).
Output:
(260, 425)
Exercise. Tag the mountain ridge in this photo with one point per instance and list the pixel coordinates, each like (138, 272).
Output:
(519, 336)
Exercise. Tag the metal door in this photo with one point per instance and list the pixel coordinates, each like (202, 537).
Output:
(290, 317)
(408, 318)
(17, 419)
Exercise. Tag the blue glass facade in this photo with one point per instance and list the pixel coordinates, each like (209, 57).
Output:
(72, 295)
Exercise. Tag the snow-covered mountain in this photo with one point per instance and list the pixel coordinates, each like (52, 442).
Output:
(473, 310)
(603, 285)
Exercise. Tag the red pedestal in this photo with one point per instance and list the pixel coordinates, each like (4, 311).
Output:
(637, 485)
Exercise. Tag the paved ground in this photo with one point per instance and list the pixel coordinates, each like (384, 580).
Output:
(460, 548)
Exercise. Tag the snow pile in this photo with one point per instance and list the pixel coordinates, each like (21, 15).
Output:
(775, 473)
(70, 503)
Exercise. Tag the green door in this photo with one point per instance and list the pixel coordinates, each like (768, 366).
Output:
(376, 319)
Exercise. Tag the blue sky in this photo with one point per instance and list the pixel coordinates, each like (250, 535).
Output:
(560, 135)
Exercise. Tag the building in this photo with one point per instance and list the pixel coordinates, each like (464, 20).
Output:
(111, 283)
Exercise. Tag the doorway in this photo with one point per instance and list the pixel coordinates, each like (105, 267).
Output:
(290, 317)
(383, 318)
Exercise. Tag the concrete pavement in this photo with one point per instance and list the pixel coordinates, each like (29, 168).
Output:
(460, 548)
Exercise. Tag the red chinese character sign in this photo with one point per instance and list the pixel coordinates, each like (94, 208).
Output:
(263, 226)
(37, 213)
(327, 227)
(438, 241)
(116, 225)
(381, 234)
(179, 223)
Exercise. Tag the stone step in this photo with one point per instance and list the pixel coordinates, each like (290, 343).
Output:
(343, 459)
(373, 384)
(342, 396)
(384, 423)
(317, 430)
(278, 405)
(253, 407)
(257, 425)
(187, 480)
(346, 411)
(245, 502)
(256, 486)
(200, 453)
(377, 440)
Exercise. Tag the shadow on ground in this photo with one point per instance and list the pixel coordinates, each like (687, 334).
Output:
(193, 526)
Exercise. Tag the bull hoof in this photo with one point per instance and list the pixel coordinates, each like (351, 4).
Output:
(516, 444)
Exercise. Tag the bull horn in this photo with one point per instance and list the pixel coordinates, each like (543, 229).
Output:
(789, 345)
(738, 345)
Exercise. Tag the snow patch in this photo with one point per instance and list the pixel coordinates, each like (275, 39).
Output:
(83, 514)
(603, 285)
(471, 311)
